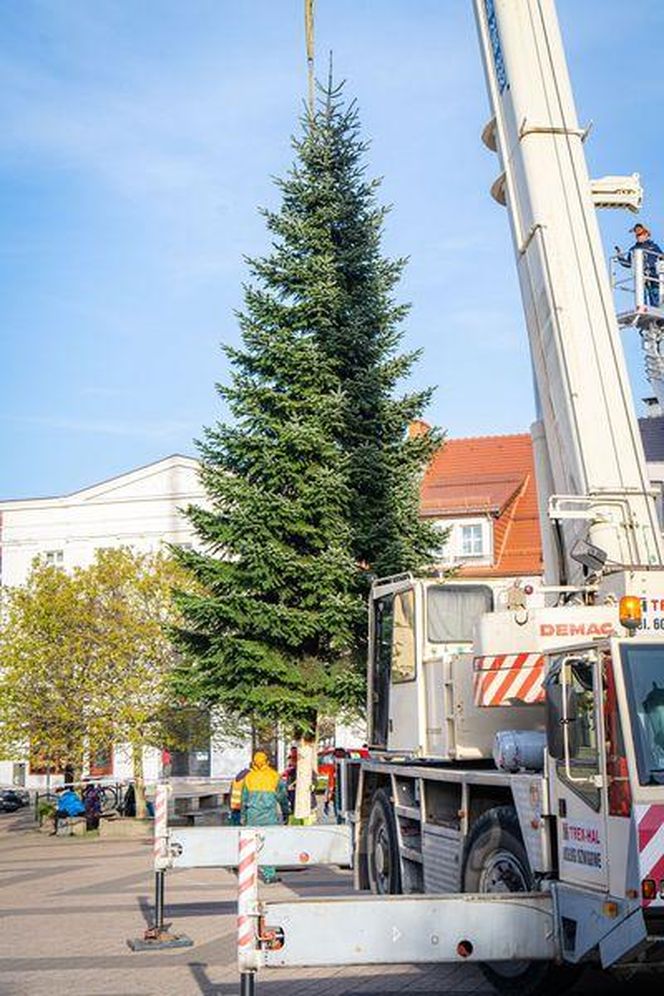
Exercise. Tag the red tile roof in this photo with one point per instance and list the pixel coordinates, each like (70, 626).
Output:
(488, 493)
(489, 475)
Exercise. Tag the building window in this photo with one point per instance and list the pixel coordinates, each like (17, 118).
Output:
(464, 540)
(472, 541)
(442, 552)
(54, 557)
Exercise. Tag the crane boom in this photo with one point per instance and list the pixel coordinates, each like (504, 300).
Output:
(589, 439)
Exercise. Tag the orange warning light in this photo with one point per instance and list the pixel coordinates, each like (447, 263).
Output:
(630, 612)
(648, 888)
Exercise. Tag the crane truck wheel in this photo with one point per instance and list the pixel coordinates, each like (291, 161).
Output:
(382, 847)
(496, 861)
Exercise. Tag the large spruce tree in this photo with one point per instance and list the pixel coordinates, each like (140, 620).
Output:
(314, 484)
(328, 254)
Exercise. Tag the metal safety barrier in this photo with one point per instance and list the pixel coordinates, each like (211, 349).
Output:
(281, 846)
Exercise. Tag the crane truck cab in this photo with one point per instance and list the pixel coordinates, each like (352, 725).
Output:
(420, 680)
(555, 785)
(605, 766)
(454, 661)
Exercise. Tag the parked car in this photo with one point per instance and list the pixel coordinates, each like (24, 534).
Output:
(9, 801)
(13, 798)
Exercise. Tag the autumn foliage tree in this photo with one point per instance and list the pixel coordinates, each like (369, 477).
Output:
(86, 659)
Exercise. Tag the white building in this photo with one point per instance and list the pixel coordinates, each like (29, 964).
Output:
(142, 510)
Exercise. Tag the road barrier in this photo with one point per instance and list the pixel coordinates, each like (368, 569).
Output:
(158, 935)
(248, 915)
(281, 846)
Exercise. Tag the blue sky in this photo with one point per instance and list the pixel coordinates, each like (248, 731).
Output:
(138, 140)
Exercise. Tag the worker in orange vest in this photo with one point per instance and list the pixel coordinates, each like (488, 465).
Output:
(236, 797)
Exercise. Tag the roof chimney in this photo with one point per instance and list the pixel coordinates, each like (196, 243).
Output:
(653, 407)
(418, 427)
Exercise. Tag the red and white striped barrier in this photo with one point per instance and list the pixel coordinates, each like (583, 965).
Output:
(650, 821)
(508, 679)
(247, 901)
(158, 935)
(161, 856)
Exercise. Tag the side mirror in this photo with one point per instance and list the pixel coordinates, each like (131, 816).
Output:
(557, 719)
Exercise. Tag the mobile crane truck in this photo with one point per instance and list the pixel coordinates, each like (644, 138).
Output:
(512, 811)
(532, 758)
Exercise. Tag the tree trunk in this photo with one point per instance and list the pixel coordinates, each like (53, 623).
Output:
(306, 769)
(139, 781)
(73, 774)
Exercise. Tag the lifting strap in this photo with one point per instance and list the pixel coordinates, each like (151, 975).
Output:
(309, 6)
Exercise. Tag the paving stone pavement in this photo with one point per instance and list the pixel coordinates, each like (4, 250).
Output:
(68, 906)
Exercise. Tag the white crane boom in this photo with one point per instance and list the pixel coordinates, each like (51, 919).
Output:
(588, 448)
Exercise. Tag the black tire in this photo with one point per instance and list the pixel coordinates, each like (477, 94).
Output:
(383, 866)
(108, 799)
(496, 861)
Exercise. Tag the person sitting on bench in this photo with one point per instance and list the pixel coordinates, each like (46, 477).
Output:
(69, 806)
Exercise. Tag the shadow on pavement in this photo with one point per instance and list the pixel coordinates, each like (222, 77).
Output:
(592, 983)
(177, 910)
(331, 985)
(20, 821)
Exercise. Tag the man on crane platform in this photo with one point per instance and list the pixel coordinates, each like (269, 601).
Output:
(652, 254)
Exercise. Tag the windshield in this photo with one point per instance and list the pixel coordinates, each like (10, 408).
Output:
(644, 677)
(452, 611)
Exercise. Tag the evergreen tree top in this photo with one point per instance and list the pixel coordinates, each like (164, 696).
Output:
(315, 479)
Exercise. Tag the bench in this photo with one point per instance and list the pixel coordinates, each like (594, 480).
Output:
(195, 807)
(194, 816)
(71, 826)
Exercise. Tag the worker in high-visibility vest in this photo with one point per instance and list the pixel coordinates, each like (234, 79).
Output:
(264, 801)
(236, 797)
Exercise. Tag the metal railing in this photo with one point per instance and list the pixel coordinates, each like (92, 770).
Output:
(637, 279)
(112, 794)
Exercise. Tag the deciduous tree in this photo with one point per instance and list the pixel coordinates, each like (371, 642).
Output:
(86, 659)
